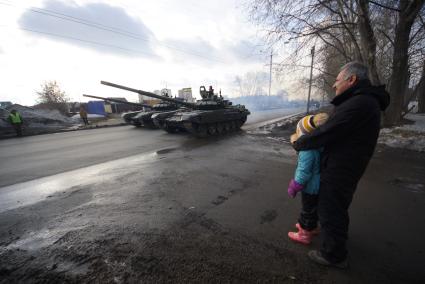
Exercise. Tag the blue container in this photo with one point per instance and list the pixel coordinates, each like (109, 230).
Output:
(96, 107)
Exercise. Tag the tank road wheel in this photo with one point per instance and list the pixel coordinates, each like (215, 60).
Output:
(233, 125)
(169, 129)
(149, 124)
(227, 127)
(212, 129)
(241, 122)
(220, 128)
(201, 131)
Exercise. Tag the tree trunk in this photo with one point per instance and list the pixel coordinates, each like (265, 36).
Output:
(420, 90)
(407, 15)
(368, 41)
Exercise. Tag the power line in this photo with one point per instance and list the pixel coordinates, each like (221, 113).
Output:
(96, 25)
(87, 41)
(66, 17)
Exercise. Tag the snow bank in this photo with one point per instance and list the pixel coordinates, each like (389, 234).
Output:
(89, 115)
(409, 136)
(41, 116)
(35, 120)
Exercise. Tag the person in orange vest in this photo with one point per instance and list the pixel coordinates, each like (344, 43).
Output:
(16, 120)
(83, 115)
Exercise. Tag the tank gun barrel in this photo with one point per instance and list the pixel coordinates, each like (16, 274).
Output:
(148, 94)
(117, 101)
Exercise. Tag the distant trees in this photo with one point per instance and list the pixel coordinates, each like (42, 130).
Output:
(252, 83)
(52, 97)
(388, 36)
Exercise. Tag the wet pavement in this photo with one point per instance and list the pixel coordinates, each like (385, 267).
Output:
(213, 210)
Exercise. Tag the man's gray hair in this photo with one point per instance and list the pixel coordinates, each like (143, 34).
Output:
(355, 68)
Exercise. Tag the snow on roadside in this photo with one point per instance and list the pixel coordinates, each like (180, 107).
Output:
(37, 116)
(89, 115)
(409, 136)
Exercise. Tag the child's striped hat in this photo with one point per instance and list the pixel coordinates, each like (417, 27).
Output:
(310, 122)
(305, 125)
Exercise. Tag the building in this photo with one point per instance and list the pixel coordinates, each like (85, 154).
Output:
(186, 94)
(5, 104)
(151, 101)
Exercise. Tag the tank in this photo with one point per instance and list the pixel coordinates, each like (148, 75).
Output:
(143, 117)
(212, 115)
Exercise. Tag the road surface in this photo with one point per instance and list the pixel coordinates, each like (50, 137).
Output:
(179, 209)
(37, 156)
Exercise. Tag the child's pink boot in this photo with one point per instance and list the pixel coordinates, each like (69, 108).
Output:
(314, 232)
(302, 236)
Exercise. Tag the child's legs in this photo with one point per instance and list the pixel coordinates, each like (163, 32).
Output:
(308, 218)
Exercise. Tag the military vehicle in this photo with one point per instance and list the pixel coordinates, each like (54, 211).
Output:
(143, 117)
(211, 115)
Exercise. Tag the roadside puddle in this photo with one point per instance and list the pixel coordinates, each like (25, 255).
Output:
(165, 151)
(39, 239)
(410, 185)
(31, 192)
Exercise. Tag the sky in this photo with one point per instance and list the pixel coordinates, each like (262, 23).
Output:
(147, 45)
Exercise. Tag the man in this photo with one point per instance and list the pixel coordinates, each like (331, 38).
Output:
(16, 120)
(83, 115)
(349, 139)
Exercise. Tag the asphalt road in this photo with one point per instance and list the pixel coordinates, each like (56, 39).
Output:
(43, 155)
(38, 156)
(191, 210)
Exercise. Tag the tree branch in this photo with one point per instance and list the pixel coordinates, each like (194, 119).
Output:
(386, 36)
(386, 7)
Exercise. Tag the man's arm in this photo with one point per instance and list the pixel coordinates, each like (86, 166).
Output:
(337, 128)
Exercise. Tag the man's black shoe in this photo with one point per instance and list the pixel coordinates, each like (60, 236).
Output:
(317, 257)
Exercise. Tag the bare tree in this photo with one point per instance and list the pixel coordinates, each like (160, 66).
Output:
(420, 91)
(52, 97)
(382, 34)
(409, 10)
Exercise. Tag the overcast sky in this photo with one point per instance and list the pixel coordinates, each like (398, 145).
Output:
(148, 45)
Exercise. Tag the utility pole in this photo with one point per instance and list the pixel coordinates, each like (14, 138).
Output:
(311, 77)
(270, 79)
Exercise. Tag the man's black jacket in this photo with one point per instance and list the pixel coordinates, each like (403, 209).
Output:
(349, 137)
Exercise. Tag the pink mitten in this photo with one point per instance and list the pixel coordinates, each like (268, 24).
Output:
(294, 187)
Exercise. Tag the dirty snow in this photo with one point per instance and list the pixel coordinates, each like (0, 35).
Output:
(89, 115)
(43, 116)
(42, 120)
(408, 136)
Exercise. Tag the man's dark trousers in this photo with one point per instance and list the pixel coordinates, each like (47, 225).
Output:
(18, 128)
(334, 201)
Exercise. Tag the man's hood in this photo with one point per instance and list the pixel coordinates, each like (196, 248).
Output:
(365, 88)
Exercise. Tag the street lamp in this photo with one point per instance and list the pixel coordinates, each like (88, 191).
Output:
(270, 79)
(311, 77)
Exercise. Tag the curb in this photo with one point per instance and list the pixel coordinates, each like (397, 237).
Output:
(270, 122)
(62, 130)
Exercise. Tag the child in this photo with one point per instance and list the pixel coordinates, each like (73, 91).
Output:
(307, 180)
